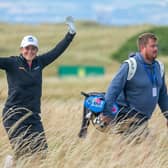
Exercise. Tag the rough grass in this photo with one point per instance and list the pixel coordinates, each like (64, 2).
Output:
(62, 121)
(62, 102)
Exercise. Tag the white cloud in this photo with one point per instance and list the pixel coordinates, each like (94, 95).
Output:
(109, 7)
(5, 4)
(160, 17)
(161, 3)
(33, 6)
(56, 9)
(103, 8)
(22, 10)
(114, 10)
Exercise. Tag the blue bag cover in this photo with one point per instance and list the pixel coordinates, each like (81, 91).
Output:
(94, 103)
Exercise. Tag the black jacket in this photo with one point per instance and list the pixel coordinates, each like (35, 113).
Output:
(24, 83)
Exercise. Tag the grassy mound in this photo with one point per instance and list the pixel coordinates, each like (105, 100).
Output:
(130, 45)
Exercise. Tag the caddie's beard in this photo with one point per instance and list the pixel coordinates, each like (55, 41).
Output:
(151, 57)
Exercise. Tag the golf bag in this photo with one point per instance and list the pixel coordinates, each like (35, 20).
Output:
(93, 106)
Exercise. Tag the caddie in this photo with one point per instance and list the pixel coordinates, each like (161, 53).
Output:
(138, 86)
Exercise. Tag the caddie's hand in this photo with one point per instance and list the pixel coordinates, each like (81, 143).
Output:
(71, 25)
(167, 123)
(105, 119)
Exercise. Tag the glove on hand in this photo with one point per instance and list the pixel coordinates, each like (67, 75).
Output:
(71, 26)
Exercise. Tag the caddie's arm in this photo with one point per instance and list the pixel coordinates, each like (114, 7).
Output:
(115, 88)
(163, 99)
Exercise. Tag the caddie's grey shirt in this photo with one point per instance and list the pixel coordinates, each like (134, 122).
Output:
(138, 92)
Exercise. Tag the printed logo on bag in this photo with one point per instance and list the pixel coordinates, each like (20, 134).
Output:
(97, 101)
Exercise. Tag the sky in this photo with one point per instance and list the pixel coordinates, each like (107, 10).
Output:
(113, 12)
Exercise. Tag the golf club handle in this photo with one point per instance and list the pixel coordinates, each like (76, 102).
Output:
(84, 94)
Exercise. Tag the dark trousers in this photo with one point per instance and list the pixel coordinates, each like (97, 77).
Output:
(25, 132)
(129, 120)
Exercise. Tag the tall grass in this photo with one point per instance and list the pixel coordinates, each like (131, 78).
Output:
(62, 121)
(62, 103)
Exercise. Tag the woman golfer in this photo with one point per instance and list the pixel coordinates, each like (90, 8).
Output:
(21, 117)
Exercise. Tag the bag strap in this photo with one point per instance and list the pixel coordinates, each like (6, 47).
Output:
(132, 67)
(162, 68)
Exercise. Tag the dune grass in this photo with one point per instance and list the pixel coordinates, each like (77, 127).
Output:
(62, 102)
(62, 121)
